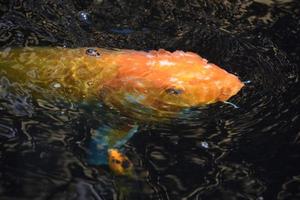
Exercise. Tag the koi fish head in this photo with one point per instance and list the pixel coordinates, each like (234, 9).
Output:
(167, 82)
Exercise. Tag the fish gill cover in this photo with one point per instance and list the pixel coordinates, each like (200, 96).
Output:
(211, 152)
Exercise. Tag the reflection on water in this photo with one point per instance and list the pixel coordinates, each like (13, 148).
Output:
(213, 152)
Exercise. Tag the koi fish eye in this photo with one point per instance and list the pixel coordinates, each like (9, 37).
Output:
(174, 91)
(92, 52)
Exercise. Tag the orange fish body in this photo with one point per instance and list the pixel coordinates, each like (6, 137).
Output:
(145, 85)
(156, 79)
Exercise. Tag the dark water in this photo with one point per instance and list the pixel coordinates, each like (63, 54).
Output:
(217, 152)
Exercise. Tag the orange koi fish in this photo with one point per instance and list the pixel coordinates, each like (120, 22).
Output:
(145, 85)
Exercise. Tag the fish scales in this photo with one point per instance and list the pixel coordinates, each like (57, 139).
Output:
(164, 79)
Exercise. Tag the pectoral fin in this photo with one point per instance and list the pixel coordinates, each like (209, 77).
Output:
(105, 148)
(119, 163)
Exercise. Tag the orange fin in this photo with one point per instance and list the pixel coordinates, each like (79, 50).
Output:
(119, 163)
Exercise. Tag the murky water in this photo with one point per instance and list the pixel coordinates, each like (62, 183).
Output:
(213, 152)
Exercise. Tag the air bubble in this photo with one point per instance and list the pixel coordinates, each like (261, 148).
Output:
(84, 17)
(204, 145)
(56, 85)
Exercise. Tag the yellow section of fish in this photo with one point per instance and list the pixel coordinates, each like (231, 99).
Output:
(119, 163)
(144, 85)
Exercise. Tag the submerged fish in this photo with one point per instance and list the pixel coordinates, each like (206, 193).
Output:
(147, 86)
